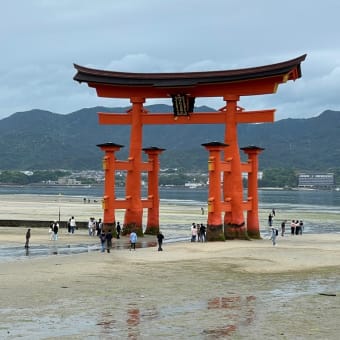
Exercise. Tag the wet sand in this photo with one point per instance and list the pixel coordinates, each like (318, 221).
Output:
(220, 290)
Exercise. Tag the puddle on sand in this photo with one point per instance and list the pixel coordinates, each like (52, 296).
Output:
(10, 253)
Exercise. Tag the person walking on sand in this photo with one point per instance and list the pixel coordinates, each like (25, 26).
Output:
(73, 224)
(297, 227)
(91, 226)
(28, 236)
(274, 233)
(301, 227)
(160, 238)
(270, 220)
(118, 230)
(292, 227)
(69, 226)
(193, 232)
(198, 228)
(283, 227)
(50, 231)
(55, 227)
(100, 226)
(133, 240)
(102, 238)
(108, 238)
(202, 232)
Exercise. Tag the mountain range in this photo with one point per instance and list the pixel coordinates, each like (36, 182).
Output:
(39, 139)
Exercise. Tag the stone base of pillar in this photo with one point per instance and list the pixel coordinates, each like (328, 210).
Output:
(151, 230)
(234, 231)
(214, 233)
(128, 228)
(254, 234)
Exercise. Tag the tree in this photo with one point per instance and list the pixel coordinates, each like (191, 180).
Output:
(279, 178)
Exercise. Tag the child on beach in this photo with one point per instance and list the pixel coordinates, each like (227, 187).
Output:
(133, 240)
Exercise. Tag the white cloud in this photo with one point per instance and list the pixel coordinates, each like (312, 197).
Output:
(41, 41)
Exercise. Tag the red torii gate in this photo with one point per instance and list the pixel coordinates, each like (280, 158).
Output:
(183, 88)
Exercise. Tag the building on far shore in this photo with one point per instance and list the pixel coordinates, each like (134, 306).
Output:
(317, 180)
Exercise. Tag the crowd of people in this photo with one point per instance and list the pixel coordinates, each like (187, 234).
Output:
(198, 232)
(96, 228)
(296, 227)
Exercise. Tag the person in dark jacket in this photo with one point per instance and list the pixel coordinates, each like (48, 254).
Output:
(108, 237)
(202, 232)
(55, 228)
(118, 230)
(28, 236)
(102, 238)
(160, 238)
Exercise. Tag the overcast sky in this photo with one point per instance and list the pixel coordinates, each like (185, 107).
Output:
(41, 39)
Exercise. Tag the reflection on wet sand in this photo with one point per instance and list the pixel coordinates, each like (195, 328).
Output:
(234, 312)
(133, 320)
(134, 317)
(237, 311)
(107, 323)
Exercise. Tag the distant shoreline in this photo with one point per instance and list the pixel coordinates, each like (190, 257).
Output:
(161, 186)
(51, 185)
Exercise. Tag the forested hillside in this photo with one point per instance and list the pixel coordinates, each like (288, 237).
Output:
(44, 140)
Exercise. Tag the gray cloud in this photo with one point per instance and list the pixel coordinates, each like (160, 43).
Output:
(40, 40)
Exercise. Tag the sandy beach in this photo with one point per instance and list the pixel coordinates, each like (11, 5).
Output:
(221, 290)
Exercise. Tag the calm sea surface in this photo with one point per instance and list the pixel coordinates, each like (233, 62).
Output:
(330, 199)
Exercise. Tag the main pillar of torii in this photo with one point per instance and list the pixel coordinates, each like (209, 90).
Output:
(183, 88)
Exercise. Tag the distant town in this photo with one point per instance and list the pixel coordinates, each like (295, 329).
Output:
(279, 178)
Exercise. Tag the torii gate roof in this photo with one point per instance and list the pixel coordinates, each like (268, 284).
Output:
(247, 81)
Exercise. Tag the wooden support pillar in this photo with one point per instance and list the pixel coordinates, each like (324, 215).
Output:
(109, 185)
(234, 226)
(253, 226)
(134, 213)
(214, 223)
(152, 225)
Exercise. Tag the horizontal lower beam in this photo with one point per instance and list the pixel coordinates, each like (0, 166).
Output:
(246, 167)
(247, 205)
(125, 203)
(226, 206)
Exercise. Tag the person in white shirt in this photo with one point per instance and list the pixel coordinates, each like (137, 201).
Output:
(73, 224)
(193, 232)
